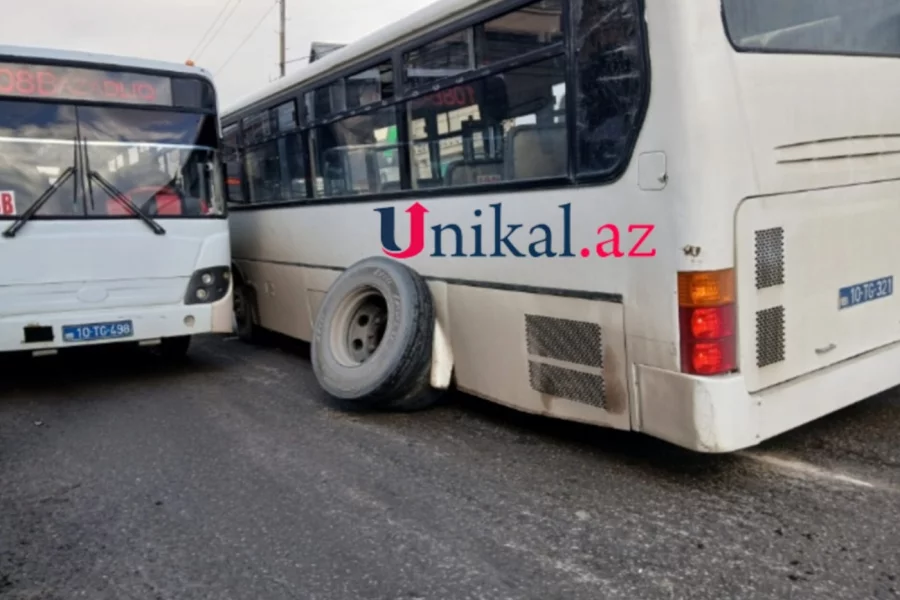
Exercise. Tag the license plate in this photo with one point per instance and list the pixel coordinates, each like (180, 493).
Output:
(861, 293)
(97, 331)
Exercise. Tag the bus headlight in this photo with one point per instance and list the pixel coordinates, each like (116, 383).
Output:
(208, 285)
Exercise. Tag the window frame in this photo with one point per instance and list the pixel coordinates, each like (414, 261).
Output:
(403, 93)
(726, 30)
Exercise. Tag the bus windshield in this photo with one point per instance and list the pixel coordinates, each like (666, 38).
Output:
(815, 26)
(165, 162)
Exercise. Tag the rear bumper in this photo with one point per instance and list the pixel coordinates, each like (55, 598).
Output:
(717, 414)
(150, 323)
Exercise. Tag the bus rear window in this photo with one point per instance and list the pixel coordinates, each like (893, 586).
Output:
(868, 27)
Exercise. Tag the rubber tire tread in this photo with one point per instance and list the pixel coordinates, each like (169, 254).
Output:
(407, 387)
(420, 395)
(252, 330)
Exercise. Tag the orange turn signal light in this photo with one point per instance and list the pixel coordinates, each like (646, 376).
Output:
(705, 288)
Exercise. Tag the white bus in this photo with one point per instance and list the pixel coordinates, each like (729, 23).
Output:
(677, 218)
(112, 215)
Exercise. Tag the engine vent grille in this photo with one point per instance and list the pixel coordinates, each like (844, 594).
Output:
(587, 388)
(769, 257)
(566, 359)
(769, 336)
(567, 340)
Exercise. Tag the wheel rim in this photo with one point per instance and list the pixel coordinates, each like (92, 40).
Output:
(358, 327)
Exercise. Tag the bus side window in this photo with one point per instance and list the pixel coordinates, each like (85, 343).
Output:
(503, 127)
(293, 165)
(231, 159)
(610, 81)
(355, 155)
(233, 178)
(263, 168)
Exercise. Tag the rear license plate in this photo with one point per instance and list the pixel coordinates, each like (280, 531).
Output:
(97, 331)
(866, 292)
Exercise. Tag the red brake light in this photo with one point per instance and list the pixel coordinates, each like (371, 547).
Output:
(707, 322)
(708, 358)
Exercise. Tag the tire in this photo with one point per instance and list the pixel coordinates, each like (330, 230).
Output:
(371, 348)
(244, 301)
(174, 348)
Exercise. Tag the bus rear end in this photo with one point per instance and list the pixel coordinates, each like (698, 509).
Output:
(807, 318)
(112, 223)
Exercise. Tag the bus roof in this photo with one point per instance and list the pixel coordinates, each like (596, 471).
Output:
(28, 52)
(423, 19)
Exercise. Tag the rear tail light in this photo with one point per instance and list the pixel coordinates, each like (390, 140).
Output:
(707, 322)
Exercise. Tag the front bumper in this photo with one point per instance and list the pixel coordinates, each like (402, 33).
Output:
(149, 323)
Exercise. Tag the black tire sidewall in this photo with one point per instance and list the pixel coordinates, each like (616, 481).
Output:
(246, 330)
(382, 375)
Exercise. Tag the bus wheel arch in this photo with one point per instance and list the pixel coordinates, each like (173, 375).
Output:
(246, 312)
(373, 339)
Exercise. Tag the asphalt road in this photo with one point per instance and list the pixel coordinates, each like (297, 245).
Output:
(227, 478)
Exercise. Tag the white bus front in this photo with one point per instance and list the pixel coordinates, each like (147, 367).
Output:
(112, 225)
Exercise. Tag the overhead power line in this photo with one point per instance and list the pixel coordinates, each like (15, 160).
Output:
(209, 29)
(246, 39)
(219, 29)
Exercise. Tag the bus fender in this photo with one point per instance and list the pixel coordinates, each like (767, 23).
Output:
(441, 358)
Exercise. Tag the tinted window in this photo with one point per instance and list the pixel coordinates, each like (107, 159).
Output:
(444, 58)
(504, 128)
(290, 149)
(263, 169)
(231, 159)
(256, 128)
(147, 126)
(193, 93)
(356, 155)
(328, 100)
(530, 28)
(610, 81)
(284, 117)
(832, 26)
(372, 85)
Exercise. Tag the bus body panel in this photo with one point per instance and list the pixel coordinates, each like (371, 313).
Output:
(544, 354)
(63, 251)
(694, 116)
(525, 336)
(150, 323)
(290, 259)
(816, 271)
(717, 414)
(731, 143)
(819, 121)
(74, 272)
(823, 130)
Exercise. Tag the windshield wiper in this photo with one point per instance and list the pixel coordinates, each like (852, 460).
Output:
(41, 201)
(122, 198)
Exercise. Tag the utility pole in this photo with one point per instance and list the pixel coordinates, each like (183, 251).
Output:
(281, 35)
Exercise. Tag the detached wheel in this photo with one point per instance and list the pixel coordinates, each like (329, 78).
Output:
(174, 348)
(371, 348)
(244, 303)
